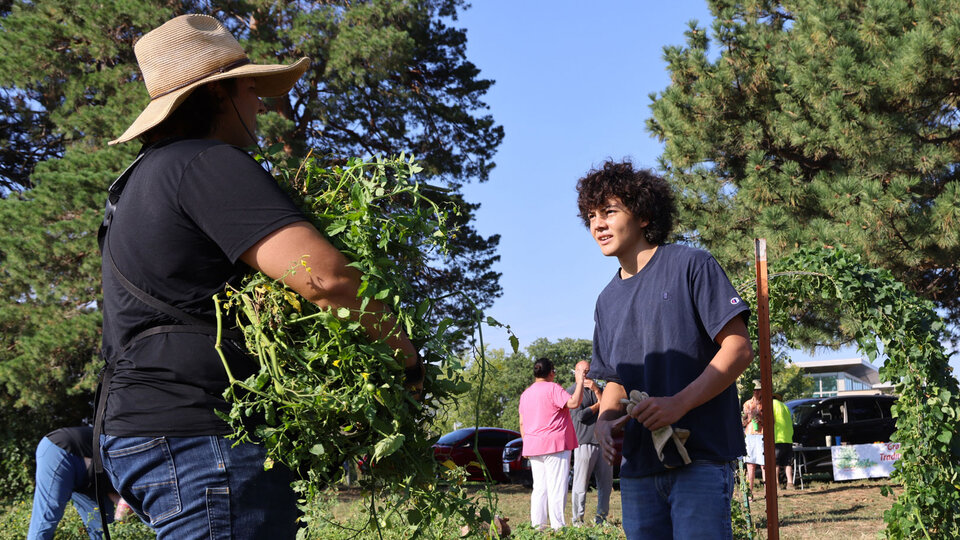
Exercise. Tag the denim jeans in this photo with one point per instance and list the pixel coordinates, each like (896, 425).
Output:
(201, 487)
(691, 502)
(59, 474)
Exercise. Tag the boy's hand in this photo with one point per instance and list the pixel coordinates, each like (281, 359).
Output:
(657, 412)
(603, 430)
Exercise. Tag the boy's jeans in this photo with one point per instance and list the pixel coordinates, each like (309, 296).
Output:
(684, 503)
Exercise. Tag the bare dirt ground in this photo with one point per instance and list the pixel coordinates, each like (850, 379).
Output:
(847, 510)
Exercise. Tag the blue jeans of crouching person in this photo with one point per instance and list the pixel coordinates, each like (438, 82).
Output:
(60, 475)
(690, 502)
(202, 487)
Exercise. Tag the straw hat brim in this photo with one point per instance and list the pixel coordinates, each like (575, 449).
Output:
(272, 81)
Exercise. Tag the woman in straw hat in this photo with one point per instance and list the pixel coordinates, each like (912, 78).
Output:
(198, 212)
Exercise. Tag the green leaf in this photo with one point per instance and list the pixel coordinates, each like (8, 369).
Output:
(422, 308)
(336, 228)
(387, 446)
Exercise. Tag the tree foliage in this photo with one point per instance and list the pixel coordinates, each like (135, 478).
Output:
(788, 378)
(505, 376)
(821, 124)
(564, 353)
(388, 76)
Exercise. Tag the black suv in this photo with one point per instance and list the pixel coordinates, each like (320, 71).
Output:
(822, 422)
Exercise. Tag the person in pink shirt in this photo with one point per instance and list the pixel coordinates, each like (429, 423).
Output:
(548, 437)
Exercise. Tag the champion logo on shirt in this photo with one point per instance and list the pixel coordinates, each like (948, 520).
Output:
(734, 300)
(666, 295)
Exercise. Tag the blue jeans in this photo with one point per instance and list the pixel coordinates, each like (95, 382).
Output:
(59, 474)
(201, 487)
(685, 503)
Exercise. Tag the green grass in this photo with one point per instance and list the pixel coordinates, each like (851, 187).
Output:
(848, 510)
(15, 522)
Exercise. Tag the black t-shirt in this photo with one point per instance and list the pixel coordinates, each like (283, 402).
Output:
(655, 332)
(76, 440)
(189, 210)
(584, 418)
(79, 442)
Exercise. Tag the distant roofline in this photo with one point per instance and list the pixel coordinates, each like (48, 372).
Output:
(838, 362)
(856, 367)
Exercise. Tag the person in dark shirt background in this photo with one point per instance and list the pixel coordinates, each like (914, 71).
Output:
(587, 458)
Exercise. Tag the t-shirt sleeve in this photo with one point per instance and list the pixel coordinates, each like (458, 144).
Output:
(560, 396)
(716, 300)
(233, 200)
(599, 368)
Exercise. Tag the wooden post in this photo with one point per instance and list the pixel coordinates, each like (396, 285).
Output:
(766, 390)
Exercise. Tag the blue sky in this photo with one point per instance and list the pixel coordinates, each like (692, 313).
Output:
(572, 85)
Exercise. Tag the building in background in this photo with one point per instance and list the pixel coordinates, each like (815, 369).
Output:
(844, 377)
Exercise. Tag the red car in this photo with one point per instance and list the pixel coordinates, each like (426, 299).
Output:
(517, 468)
(461, 448)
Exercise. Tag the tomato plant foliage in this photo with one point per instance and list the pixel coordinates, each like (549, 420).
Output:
(325, 394)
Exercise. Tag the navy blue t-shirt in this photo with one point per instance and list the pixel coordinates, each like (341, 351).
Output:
(655, 332)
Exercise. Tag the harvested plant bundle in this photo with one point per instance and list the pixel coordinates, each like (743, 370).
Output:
(325, 395)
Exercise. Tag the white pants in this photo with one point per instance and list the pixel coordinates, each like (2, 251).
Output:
(586, 460)
(549, 497)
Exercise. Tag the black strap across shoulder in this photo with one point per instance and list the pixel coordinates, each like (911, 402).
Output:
(189, 324)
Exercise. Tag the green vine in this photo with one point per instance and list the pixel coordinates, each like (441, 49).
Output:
(324, 394)
(832, 291)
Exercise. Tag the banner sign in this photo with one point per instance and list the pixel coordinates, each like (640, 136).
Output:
(851, 462)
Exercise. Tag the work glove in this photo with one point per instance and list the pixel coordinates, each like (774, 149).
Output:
(663, 435)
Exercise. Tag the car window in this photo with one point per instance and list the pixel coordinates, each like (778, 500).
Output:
(454, 436)
(802, 411)
(500, 438)
(884, 405)
(831, 412)
(488, 438)
(496, 438)
(859, 410)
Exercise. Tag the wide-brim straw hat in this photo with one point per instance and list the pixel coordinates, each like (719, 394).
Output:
(193, 50)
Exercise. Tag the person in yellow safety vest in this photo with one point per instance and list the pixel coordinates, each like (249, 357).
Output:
(783, 438)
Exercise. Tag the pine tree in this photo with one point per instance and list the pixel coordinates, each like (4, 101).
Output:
(387, 77)
(821, 124)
